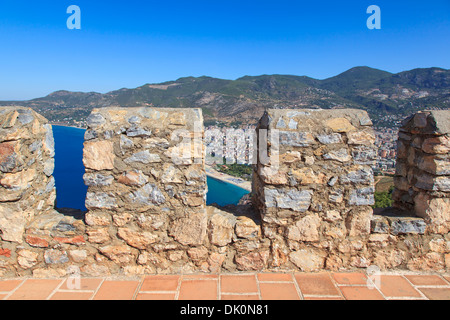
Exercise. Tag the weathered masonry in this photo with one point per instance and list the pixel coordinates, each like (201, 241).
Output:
(313, 188)
(147, 184)
(423, 169)
(27, 187)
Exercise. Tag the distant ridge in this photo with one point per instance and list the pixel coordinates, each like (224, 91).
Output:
(243, 100)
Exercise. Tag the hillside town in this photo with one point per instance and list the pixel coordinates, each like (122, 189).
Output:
(227, 145)
(386, 141)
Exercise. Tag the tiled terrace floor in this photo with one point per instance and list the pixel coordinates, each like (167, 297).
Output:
(249, 286)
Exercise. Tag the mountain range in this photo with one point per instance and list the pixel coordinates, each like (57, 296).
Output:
(384, 95)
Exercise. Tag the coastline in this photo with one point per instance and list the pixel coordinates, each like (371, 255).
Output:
(65, 125)
(238, 182)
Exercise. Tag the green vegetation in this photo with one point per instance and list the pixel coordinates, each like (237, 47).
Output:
(207, 112)
(235, 124)
(383, 199)
(243, 171)
(380, 93)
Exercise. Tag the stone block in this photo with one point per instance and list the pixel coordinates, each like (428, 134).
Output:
(247, 228)
(341, 155)
(407, 226)
(362, 196)
(120, 254)
(308, 259)
(98, 155)
(363, 175)
(53, 256)
(437, 145)
(434, 165)
(26, 168)
(364, 155)
(27, 258)
(434, 210)
(137, 239)
(305, 229)
(221, 227)
(190, 230)
(379, 224)
(293, 199)
(358, 221)
(100, 200)
(296, 139)
(433, 183)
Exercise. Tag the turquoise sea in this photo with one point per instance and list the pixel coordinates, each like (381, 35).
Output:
(69, 171)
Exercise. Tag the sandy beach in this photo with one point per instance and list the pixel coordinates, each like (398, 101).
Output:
(65, 125)
(247, 185)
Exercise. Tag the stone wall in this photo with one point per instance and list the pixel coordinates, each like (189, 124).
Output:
(27, 187)
(318, 184)
(315, 189)
(147, 213)
(147, 183)
(422, 182)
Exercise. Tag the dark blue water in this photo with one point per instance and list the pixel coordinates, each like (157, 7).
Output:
(69, 170)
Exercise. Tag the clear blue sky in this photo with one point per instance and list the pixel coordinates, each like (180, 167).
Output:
(130, 43)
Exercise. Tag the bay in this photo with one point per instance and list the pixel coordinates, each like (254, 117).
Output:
(223, 193)
(69, 171)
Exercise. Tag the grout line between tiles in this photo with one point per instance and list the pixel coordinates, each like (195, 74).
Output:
(374, 286)
(98, 288)
(299, 292)
(138, 288)
(14, 290)
(55, 290)
(177, 292)
(414, 287)
(257, 287)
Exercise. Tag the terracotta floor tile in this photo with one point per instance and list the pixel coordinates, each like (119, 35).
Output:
(426, 280)
(265, 286)
(160, 283)
(155, 296)
(35, 289)
(316, 284)
(275, 277)
(9, 285)
(361, 293)
(85, 284)
(198, 290)
(239, 297)
(72, 295)
(397, 286)
(238, 284)
(278, 291)
(322, 298)
(116, 290)
(350, 278)
(200, 277)
(436, 293)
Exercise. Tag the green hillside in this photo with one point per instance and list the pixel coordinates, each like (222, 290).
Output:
(242, 101)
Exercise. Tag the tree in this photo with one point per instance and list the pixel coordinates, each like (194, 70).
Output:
(383, 199)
